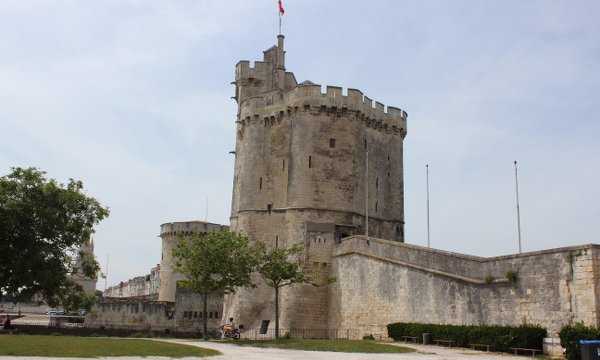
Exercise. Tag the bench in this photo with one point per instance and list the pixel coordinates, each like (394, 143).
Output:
(449, 342)
(413, 339)
(533, 351)
(486, 346)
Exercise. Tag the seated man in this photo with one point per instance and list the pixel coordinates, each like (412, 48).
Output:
(228, 328)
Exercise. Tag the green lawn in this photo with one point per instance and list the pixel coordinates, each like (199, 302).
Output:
(72, 346)
(350, 346)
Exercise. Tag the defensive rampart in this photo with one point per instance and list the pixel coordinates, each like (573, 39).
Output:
(382, 281)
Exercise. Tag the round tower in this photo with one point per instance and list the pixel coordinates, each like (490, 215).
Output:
(311, 167)
(170, 234)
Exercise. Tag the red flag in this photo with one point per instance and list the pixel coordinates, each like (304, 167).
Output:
(281, 11)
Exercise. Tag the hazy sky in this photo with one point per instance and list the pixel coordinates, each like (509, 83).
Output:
(134, 99)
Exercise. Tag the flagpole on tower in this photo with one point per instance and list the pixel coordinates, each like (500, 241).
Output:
(281, 12)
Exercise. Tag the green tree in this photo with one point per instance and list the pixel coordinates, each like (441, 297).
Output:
(214, 264)
(43, 226)
(282, 266)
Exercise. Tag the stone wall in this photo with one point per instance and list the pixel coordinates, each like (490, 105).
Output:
(380, 282)
(185, 315)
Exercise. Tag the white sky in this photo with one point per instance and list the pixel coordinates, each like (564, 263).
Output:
(133, 98)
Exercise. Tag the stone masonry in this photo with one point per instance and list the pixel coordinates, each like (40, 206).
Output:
(380, 282)
(300, 176)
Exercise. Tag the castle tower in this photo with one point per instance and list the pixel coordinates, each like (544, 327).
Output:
(301, 177)
(170, 234)
(88, 284)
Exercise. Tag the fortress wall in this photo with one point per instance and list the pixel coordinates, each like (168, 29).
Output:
(182, 315)
(131, 313)
(374, 288)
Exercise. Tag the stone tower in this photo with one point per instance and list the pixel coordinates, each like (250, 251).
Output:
(170, 234)
(301, 176)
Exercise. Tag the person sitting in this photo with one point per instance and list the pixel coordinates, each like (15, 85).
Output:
(7, 325)
(228, 328)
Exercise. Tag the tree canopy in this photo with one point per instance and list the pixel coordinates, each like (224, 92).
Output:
(215, 263)
(282, 266)
(43, 226)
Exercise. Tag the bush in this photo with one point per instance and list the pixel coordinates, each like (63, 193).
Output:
(142, 335)
(571, 334)
(369, 337)
(500, 338)
(511, 274)
(287, 335)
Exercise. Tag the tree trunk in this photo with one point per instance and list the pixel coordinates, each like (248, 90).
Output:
(204, 317)
(277, 313)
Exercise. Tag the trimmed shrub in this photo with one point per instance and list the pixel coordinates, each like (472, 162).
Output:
(500, 338)
(571, 334)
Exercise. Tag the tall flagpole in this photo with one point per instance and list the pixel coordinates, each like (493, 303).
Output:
(428, 236)
(281, 12)
(518, 211)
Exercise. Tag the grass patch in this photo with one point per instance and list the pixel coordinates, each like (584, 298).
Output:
(350, 346)
(73, 346)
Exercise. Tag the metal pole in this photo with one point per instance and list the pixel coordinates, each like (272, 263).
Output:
(367, 192)
(518, 211)
(428, 232)
(106, 275)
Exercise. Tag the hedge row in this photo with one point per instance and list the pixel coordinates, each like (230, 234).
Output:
(570, 336)
(500, 338)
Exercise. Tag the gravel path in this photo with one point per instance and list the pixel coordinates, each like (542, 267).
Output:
(235, 352)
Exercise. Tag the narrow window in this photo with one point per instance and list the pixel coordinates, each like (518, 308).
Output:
(283, 165)
(365, 144)
(309, 162)
(375, 206)
(260, 184)
(332, 143)
(276, 240)
(269, 208)
(216, 314)
(210, 315)
(377, 183)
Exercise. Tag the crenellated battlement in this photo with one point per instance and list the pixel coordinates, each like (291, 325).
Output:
(334, 101)
(190, 227)
(243, 70)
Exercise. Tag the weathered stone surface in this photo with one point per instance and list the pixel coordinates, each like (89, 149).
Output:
(380, 282)
(301, 177)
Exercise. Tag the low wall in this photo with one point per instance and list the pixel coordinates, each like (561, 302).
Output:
(380, 282)
(185, 315)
